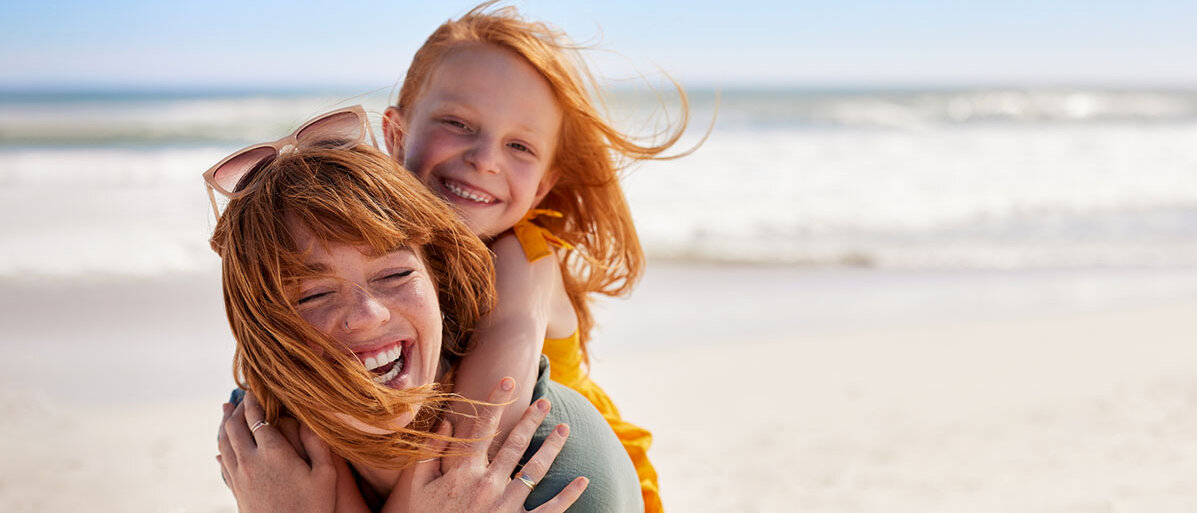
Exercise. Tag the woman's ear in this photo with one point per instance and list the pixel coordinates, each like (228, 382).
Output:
(393, 129)
(546, 184)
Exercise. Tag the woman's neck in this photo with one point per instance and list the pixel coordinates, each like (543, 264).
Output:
(381, 482)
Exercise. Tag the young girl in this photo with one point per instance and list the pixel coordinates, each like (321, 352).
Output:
(495, 118)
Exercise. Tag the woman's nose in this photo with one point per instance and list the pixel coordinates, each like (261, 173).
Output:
(366, 313)
(484, 156)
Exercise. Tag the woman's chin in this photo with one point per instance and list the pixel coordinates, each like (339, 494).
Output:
(396, 424)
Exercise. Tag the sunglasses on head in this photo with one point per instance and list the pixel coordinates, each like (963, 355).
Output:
(340, 129)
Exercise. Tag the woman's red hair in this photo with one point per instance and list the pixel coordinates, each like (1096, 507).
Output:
(359, 197)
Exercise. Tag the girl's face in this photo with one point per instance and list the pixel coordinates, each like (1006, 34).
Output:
(382, 308)
(482, 135)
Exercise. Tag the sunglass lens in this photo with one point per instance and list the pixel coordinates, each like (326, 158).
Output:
(229, 175)
(341, 130)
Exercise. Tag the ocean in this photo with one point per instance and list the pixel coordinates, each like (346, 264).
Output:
(103, 184)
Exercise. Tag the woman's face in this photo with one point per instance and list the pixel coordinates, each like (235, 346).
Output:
(381, 308)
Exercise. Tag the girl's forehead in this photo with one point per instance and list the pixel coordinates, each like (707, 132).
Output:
(465, 67)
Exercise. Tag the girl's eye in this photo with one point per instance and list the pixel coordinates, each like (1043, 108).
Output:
(520, 147)
(455, 123)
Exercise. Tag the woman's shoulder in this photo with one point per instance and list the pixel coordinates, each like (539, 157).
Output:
(592, 450)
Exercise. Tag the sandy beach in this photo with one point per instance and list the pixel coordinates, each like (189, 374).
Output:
(769, 389)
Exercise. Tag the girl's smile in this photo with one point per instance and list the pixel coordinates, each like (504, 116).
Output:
(482, 134)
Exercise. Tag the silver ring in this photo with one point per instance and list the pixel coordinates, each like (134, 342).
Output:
(259, 425)
(524, 478)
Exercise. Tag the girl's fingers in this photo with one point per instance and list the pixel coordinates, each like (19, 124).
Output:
(223, 446)
(319, 455)
(564, 499)
(237, 434)
(349, 498)
(227, 456)
(255, 421)
(520, 436)
(224, 473)
(429, 469)
(487, 423)
(538, 465)
(289, 428)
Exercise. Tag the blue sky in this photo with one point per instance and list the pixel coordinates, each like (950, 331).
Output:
(367, 43)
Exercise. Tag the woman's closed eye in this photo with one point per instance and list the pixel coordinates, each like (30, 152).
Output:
(310, 297)
(395, 276)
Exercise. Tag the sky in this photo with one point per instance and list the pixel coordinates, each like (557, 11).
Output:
(76, 44)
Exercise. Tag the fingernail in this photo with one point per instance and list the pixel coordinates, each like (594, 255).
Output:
(542, 405)
(563, 429)
(508, 384)
(226, 408)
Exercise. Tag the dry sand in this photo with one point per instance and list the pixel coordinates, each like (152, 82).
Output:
(768, 389)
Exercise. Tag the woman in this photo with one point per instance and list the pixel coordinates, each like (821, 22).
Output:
(352, 291)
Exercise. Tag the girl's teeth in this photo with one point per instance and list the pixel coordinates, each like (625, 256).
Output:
(470, 195)
(372, 363)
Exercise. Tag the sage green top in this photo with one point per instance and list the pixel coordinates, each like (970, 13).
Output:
(592, 450)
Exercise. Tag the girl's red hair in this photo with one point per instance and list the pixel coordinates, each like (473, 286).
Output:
(589, 156)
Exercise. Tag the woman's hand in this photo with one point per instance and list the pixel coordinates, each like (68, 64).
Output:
(468, 483)
(282, 468)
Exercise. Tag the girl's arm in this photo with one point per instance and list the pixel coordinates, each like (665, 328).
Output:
(282, 466)
(508, 340)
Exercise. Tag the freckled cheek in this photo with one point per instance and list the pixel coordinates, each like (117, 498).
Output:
(424, 313)
(324, 322)
(428, 151)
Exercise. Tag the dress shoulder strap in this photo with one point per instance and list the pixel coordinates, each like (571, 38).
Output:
(536, 239)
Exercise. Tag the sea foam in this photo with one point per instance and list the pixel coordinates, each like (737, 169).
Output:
(918, 179)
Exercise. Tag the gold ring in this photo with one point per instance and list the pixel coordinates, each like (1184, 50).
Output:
(259, 425)
(524, 478)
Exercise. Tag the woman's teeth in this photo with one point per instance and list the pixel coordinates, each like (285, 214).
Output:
(390, 374)
(392, 357)
(383, 358)
(460, 192)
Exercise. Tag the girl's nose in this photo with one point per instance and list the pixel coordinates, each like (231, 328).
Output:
(366, 313)
(484, 156)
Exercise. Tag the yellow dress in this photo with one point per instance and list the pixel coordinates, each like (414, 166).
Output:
(565, 359)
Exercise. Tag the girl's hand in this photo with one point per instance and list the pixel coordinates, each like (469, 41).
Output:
(267, 473)
(469, 483)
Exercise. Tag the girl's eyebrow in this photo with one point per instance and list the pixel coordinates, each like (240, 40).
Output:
(451, 101)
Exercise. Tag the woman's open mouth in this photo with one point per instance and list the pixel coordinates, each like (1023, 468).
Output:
(386, 364)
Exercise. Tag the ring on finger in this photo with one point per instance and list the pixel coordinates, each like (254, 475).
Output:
(258, 425)
(527, 480)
